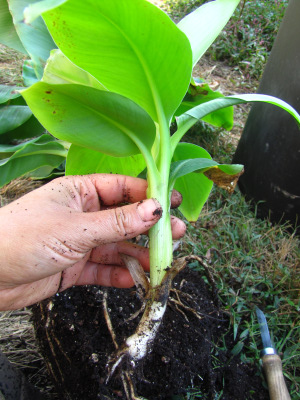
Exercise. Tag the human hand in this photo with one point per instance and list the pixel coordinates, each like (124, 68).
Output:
(70, 232)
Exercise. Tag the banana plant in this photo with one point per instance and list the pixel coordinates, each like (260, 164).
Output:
(121, 74)
(20, 154)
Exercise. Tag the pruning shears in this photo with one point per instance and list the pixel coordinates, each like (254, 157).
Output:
(271, 362)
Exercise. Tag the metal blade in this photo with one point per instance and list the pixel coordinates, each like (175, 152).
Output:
(264, 330)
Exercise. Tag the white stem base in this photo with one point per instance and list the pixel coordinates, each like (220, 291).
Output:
(141, 341)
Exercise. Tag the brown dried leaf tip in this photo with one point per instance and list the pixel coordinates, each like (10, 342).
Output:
(223, 180)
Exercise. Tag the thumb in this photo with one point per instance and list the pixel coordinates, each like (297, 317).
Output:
(120, 223)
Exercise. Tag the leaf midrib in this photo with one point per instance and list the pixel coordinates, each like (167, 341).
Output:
(153, 89)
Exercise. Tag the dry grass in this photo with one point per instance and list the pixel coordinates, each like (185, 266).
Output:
(11, 62)
(16, 189)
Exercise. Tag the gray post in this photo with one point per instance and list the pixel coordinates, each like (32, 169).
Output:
(270, 144)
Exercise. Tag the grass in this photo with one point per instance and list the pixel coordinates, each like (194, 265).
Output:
(10, 66)
(248, 38)
(254, 263)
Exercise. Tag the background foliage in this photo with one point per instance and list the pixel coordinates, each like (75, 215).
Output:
(248, 38)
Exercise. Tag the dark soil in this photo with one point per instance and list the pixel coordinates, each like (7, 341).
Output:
(190, 353)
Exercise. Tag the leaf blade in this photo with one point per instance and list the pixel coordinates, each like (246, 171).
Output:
(189, 118)
(12, 116)
(8, 33)
(195, 188)
(84, 161)
(60, 70)
(193, 173)
(96, 119)
(97, 31)
(206, 22)
(30, 157)
(34, 37)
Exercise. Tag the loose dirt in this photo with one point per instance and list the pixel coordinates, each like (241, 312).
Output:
(192, 353)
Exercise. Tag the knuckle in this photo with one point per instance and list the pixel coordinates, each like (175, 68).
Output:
(123, 222)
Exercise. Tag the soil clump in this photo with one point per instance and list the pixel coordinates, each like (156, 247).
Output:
(192, 350)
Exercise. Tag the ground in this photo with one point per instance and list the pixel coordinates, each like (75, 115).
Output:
(193, 351)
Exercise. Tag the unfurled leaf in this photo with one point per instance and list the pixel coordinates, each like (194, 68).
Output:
(190, 177)
(8, 34)
(184, 167)
(9, 148)
(85, 161)
(8, 93)
(30, 128)
(203, 25)
(195, 188)
(30, 156)
(34, 37)
(60, 70)
(189, 118)
(28, 73)
(33, 11)
(249, 98)
(47, 172)
(224, 176)
(129, 47)
(96, 119)
(13, 116)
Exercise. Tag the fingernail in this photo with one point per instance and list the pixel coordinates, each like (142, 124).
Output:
(149, 210)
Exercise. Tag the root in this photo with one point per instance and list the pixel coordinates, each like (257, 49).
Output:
(125, 376)
(138, 345)
(178, 303)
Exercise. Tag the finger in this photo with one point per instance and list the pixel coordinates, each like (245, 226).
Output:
(105, 275)
(178, 228)
(118, 224)
(116, 189)
(109, 254)
(176, 199)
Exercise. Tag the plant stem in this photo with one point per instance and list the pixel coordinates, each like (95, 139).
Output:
(161, 252)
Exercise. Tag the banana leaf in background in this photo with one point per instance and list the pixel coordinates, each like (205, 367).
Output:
(42, 156)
